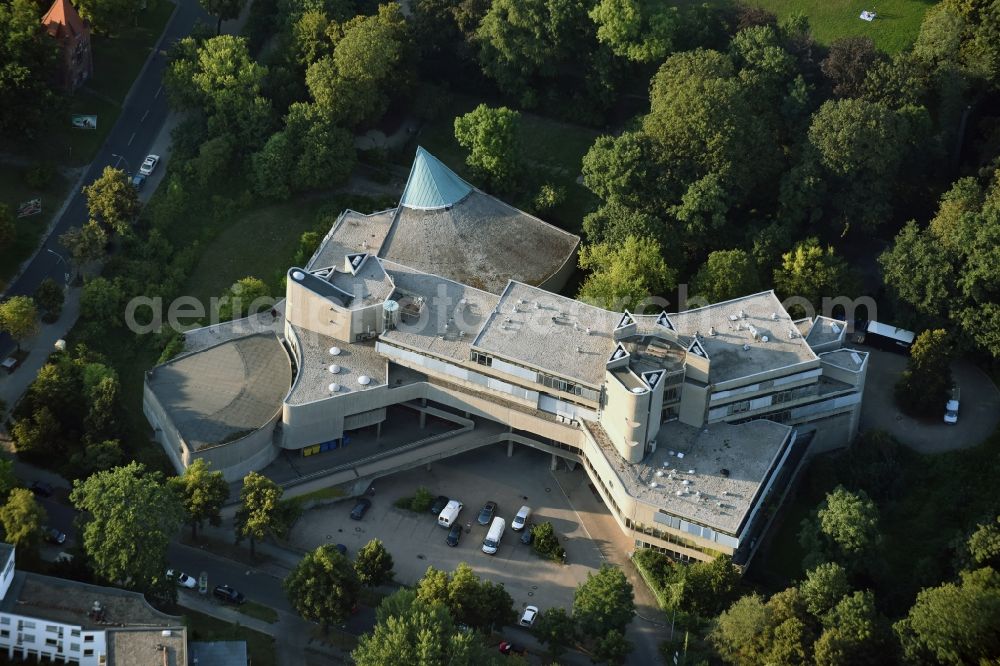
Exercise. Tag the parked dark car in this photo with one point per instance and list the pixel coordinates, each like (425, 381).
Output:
(528, 535)
(228, 595)
(360, 507)
(439, 504)
(486, 513)
(342, 549)
(454, 534)
(41, 488)
(138, 180)
(52, 535)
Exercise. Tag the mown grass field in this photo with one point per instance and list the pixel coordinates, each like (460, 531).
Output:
(13, 190)
(895, 28)
(555, 148)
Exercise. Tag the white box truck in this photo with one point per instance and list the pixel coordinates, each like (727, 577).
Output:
(492, 540)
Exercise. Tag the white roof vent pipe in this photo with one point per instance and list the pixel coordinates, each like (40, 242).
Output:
(334, 351)
(334, 387)
(334, 368)
(364, 380)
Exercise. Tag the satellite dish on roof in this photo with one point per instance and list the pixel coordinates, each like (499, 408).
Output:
(364, 380)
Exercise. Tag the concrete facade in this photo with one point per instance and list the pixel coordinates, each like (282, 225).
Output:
(690, 424)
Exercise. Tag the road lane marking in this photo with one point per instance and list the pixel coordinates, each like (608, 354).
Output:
(144, 116)
(157, 92)
(131, 138)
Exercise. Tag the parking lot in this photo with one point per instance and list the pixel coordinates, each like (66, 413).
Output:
(416, 541)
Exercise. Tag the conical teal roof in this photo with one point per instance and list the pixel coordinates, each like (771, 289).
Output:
(432, 185)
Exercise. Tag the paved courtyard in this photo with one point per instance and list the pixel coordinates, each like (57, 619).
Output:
(416, 541)
(977, 419)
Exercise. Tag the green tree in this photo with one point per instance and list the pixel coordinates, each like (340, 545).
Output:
(8, 480)
(639, 30)
(19, 318)
(49, 297)
(737, 634)
(370, 60)
(247, 296)
(27, 65)
(112, 201)
(323, 586)
(727, 274)
(523, 42)
(844, 529)
(811, 272)
(612, 647)
(847, 64)
(220, 78)
(984, 544)
(919, 272)
(258, 515)
(223, 10)
(624, 275)
(924, 386)
(707, 587)
(825, 585)
(102, 399)
(101, 301)
(414, 632)
(22, 519)
(108, 17)
(131, 518)
(8, 232)
(954, 623)
(309, 37)
(36, 435)
(603, 602)
(614, 222)
(556, 628)
(546, 543)
(491, 137)
(202, 493)
(855, 634)
(96, 456)
(624, 169)
(373, 564)
(86, 244)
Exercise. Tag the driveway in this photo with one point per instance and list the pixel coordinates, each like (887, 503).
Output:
(416, 542)
(978, 416)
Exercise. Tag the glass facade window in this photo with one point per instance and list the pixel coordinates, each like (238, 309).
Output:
(482, 359)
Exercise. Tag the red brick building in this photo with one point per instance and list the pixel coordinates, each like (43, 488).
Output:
(65, 25)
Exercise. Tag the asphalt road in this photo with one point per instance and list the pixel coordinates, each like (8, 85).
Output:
(126, 146)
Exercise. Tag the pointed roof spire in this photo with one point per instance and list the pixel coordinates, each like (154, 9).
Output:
(431, 184)
(62, 18)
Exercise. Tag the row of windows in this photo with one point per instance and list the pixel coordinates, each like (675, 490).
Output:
(670, 537)
(776, 399)
(546, 380)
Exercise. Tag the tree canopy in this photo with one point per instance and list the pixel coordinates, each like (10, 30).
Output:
(603, 602)
(373, 564)
(19, 317)
(491, 137)
(131, 518)
(112, 201)
(624, 275)
(202, 493)
(259, 514)
(323, 587)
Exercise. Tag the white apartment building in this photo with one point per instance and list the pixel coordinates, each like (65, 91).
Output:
(690, 424)
(52, 619)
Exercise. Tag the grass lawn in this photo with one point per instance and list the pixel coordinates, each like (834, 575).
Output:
(895, 28)
(117, 61)
(260, 243)
(556, 148)
(201, 627)
(259, 611)
(13, 190)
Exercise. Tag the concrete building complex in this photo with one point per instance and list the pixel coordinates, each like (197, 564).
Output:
(52, 619)
(691, 425)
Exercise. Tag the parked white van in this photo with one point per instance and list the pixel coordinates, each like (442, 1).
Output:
(492, 540)
(449, 513)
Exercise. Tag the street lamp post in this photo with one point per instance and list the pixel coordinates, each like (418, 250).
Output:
(65, 263)
(120, 158)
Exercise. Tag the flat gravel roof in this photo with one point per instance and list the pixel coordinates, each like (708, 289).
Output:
(225, 390)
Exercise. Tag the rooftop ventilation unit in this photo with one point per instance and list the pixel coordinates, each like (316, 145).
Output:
(588, 330)
(679, 454)
(764, 338)
(792, 334)
(774, 316)
(334, 368)
(653, 484)
(724, 472)
(679, 493)
(712, 331)
(298, 275)
(835, 328)
(364, 380)
(746, 347)
(743, 315)
(690, 471)
(334, 387)
(334, 351)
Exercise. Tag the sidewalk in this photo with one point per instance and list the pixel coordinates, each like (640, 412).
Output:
(292, 635)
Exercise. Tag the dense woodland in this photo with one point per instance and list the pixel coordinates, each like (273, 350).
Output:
(735, 154)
